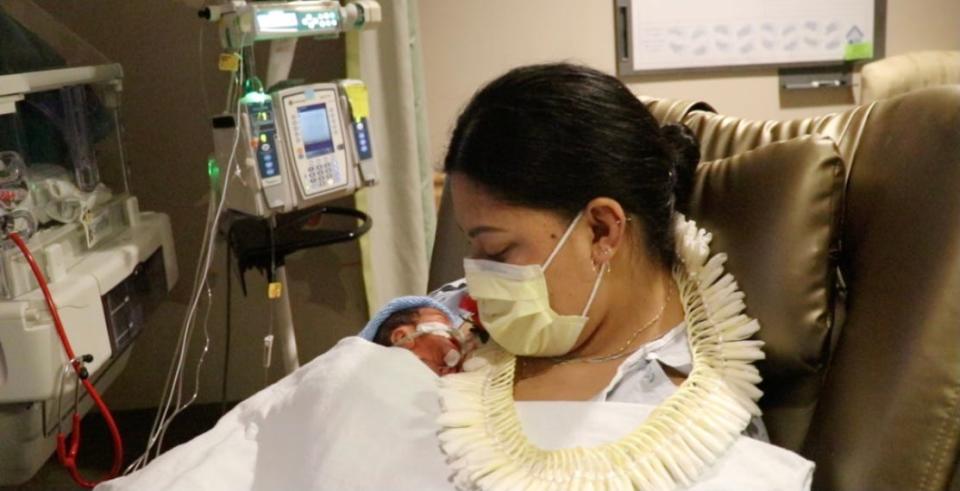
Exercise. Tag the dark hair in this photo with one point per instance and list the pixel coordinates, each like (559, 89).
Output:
(397, 319)
(556, 136)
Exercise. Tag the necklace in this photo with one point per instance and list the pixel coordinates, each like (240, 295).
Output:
(622, 351)
(483, 438)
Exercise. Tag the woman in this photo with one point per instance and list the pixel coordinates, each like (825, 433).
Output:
(569, 191)
(600, 298)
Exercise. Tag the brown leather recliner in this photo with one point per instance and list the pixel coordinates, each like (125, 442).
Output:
(895, 75)
(881, 410)
(888, 412)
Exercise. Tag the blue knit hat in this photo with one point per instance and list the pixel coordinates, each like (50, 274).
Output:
(402, 303)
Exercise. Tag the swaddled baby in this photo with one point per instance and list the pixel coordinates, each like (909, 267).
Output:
(427, 328)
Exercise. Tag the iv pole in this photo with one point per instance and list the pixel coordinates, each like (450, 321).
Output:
(355, 14)
(278, 69)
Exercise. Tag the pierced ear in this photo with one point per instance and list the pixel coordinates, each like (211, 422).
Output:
(600, 227)
(608, 222)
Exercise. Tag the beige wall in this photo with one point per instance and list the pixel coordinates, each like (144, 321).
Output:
(168, 139)
(467, 42)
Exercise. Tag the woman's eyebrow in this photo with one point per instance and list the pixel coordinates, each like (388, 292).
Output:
(475, 231)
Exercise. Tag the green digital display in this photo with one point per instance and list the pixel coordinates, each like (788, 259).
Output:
(298, 21)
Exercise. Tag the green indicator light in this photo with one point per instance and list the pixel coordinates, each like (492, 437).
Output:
(252, 85)
(254, 98)
(253, 92)
(213, 169)
(213, 172)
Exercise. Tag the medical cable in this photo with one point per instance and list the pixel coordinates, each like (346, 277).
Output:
(67, 451)
(196, 381)
(170, 373)
(175, 373)
(205, 285)
(200, 283)
(165, 417)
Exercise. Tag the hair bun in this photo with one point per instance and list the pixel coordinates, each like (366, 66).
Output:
(686, 151)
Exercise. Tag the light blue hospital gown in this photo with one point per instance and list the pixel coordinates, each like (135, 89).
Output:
(641, 377)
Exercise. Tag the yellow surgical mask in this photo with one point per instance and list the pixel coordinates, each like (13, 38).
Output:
(514, 305)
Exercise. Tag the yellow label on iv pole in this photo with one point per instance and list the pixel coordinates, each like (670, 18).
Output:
(274, 290)
(229, 62)
(359, 101)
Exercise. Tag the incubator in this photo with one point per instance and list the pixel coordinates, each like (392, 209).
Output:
(64, 195)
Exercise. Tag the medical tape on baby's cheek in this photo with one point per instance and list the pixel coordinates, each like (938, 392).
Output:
(452, 358)
(435, 328)
(438, 328)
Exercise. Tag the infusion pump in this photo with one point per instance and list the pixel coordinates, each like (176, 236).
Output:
(298, 147)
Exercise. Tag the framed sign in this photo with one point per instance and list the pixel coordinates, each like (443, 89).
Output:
(672, 35)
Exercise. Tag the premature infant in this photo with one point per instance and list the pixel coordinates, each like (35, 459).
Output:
(425, 327)
(428, 333)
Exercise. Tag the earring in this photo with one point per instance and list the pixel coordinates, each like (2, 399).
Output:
(604, 253)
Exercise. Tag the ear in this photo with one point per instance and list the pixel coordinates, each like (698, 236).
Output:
(608, 221)
(401, 337)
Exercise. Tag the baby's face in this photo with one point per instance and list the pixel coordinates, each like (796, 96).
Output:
(430, 348)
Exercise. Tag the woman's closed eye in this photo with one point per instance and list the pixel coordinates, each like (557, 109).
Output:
(499, 255)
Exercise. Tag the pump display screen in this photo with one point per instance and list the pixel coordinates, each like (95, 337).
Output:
(315, 130)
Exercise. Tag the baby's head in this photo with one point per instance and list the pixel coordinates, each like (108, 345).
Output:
(427, 332)
(422, 325)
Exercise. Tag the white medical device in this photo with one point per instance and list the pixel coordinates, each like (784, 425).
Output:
(63, 189)
(244, 23)
(300, 147)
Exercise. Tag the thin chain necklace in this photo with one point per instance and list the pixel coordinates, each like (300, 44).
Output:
(622, 351)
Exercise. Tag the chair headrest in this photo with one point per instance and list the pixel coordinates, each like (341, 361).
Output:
(775, 212)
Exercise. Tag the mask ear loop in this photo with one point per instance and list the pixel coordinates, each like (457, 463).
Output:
(596, 287)
(556, 250)
(563, 239)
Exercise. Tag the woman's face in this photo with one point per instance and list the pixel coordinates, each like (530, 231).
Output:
(516, 235)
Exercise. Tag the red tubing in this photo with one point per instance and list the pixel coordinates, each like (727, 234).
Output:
(68, 456)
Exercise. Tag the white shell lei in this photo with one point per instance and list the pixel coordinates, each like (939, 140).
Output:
(482, 436)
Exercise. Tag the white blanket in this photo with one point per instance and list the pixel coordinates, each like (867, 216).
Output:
(362, 417)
